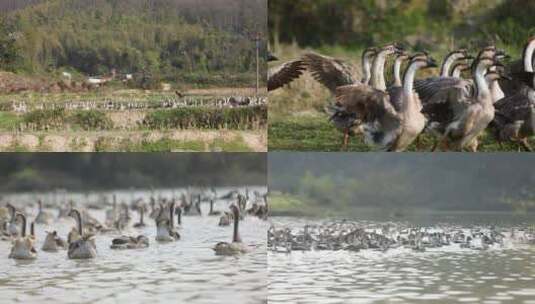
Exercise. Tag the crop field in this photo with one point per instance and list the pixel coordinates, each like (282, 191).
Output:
(227, 119)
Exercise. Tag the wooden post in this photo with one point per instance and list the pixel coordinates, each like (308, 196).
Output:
(257, 40)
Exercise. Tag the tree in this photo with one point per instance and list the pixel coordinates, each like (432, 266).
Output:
(9, 54)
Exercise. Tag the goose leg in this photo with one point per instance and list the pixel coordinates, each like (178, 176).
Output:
(526, 144)
(444, 144)
(435, 145)
(418, 143)
(346, 139)
(473, 145)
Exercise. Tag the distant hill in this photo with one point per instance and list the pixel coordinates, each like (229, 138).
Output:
(197, 42)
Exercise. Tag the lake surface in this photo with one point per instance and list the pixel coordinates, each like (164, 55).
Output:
(178, 272)
(439, 275)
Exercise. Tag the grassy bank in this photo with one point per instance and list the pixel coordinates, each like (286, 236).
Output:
(125, 141)
(315, 133)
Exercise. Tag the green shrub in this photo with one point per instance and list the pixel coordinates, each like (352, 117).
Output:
(92, 120)
(242, 118)
(45, 119)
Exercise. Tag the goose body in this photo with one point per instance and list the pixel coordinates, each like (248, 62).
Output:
(335, 74)
(473, 115)
(129, 242)
(390, 122)
(165, 231)
(515, 114)
(42, 216)
(53, 242)
(23, 246)
(236, 247)
(84, 246)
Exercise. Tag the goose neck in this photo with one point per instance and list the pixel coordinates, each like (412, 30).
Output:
(529, 50)
(378, 77)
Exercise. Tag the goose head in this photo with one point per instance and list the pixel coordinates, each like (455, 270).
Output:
(271, 57)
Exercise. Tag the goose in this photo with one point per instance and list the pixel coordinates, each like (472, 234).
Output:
(193, 208)
(333, 73)
(390, 123)
(470, 114)
(236, 247)
(458, 69)
(53, 242)
(141, 224)
(165, 231)
(42, 216)
(12, 228)
(84, 247)
(23, 248)
(129, 242)
(515, 114)
(517, 68)
(465, 114)
(283, 74)
(428, 86)
(225, 219)
(212, 212)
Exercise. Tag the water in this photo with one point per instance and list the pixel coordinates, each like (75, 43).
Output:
(176, 272)
(442, 275)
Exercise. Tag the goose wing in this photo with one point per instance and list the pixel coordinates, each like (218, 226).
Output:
(449, 101)
(516, 83)
(328, 71)
(428, 88)
(515, 107)
(284, 74)
(368, 103)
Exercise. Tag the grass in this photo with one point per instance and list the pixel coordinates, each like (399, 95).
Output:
(170, 145)
(315, 133)
(9, 121)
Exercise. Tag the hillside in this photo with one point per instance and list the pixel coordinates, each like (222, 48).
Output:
(197, 43)
(492, 182)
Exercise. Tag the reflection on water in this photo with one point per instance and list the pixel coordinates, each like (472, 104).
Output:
(176, 272)
(442, 275)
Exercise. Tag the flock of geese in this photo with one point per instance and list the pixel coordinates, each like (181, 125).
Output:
(453, 109)
(355, 236)
(124, 105)
(80, 241)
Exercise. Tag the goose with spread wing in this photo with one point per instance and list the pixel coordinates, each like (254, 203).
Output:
(283, 74)
(388, 122)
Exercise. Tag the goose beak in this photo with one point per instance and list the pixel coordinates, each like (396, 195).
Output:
(431, 63)
(469, 57)
(507, 77)
(272, 57)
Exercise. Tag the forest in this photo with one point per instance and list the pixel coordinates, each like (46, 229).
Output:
(96, 171)
(429, 25)
(498, 182)
(180, 41)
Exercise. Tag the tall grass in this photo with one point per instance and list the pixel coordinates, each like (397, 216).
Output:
(242, 118)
